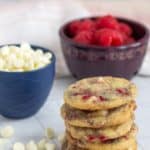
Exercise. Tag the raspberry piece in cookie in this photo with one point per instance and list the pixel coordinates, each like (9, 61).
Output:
(103, 138)
(122, 91)
(91, 138)
(85, 97)
(102, 99)
(100, 138)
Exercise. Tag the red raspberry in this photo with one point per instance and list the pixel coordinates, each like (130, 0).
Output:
(117, 39)
(103, 37)
(74, 28)
(125, 37)
(103, 138)
(125, 28)
(107, 22)
(129, 40)
(87, 24)
(108, 37)
(122, 91)
(102, 99)
(78, 26)
(84, 37)
(86, 97)
(91, 138)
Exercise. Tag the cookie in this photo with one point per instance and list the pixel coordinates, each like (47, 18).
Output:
(68, 146)
(100, 93)
(102, 134)
(64, 145)
(98, 119)
(122, 143)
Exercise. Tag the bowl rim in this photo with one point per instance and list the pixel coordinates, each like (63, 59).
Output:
(53, 59)
(103, 48)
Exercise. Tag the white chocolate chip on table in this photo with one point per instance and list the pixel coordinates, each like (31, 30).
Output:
(50, 146)
(31, 146)
(61, 137)
(50, 133)
(41, 144)
(7, 132)
(18, 146)
(3, 143)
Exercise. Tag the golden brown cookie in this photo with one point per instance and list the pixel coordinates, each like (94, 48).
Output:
(102, 134)
(123, 143)
(98, 119)
(69, 146)
(100, 93)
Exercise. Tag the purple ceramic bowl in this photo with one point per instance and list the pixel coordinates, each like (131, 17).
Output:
(90, 60)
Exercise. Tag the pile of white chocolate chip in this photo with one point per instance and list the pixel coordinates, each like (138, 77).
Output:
(23, 58)
(44, 144)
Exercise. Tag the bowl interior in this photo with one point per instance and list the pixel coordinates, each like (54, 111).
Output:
(139, 30)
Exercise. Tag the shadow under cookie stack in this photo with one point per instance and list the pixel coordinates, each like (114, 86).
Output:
(99, 114)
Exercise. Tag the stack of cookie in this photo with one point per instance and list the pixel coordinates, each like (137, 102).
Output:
(99, 114)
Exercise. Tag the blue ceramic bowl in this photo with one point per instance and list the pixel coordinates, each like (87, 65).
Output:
(22, 94)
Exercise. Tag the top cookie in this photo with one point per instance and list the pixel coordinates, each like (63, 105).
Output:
(98, 93)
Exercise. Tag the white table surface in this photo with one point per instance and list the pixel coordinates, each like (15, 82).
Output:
(49, 115)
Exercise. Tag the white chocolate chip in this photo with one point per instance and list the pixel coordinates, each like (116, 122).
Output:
(104, 112)
(1, 64)
(5, 51)
(100, 79)
(18, 146)
(61, 138)
(93, 98)
(50, 133)
(25, 46)
(41, 144)
(7, 132)
(50, 146)
(39, 52)
(48, 55)
(31, 146)
(3, 142)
